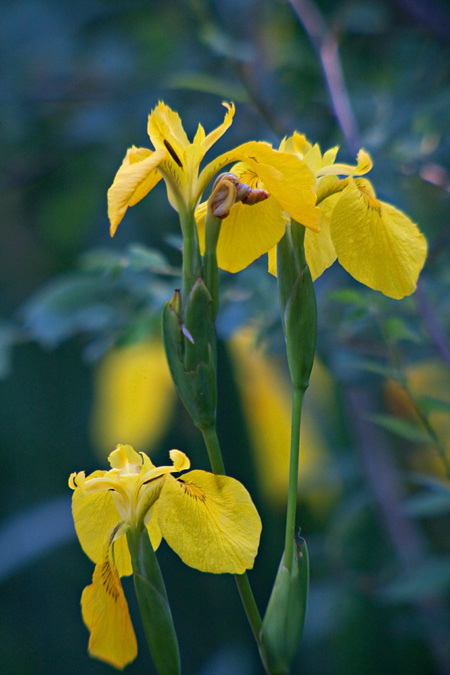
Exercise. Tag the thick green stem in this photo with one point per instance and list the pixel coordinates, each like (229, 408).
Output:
(210, 269)
(297, 401)
(243, 583)
(191, 253)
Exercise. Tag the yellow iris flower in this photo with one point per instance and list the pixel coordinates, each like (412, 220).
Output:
(375, 242)
(177, 160)
(209, 521)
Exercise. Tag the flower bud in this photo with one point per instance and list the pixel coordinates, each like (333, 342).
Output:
(228, 190)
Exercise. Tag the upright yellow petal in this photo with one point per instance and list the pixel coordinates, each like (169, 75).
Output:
(105, 613)
(165, 127)
(363, 165)
(210, 522)
(214, 136)
(131, 183)
(376, 243)
(95, 515)
(133, 397)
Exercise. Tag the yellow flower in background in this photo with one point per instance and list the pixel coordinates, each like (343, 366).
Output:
(375, 242)
(134, 397)
(425, 379)
(245, 236)
(209, 521)
(266, 396)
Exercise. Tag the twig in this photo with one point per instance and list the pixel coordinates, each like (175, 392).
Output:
(325, 44)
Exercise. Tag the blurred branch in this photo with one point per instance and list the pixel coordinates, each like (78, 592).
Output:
(406, 538)
(432, 325)
(325, 44)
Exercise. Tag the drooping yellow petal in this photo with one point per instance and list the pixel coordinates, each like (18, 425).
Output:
(288, 179)
(131, 183)
(319, 248)
(376, 243)
(94, 516)
(247, 233)
(105, 613)
(210, 522)
(134, 397)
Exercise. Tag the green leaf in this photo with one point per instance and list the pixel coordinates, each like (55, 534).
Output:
(284, 619)
(376, 368)
(429, 404)
(352, 297)
(426, 505)
(229, 91)
(141, 258)
(397, 330)
(432, 578)
(402, 428)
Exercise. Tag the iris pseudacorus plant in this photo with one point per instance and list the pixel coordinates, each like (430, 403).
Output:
(209, 521)
(249, 232)
(375, 242)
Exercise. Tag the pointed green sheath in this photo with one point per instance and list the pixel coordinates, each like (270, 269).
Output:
(190, 351)
(284, 619)
(153, 604)
(297, 304)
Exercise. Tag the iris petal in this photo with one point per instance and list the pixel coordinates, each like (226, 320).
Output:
(210, 522)
(131, 183)
(376, 243)
(105, 613)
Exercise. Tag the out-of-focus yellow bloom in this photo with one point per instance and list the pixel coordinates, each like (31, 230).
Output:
(266, 399)
(375, 242)
(209, 521)
(134, 396)
(425, 379)
(246, 234)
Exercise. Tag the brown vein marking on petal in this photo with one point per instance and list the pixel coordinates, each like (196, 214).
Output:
(193, 491)
(108, 580)
(173, 154)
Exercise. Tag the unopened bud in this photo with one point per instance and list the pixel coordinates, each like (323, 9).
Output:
(175, 303)
(223, 197)
(228, 189)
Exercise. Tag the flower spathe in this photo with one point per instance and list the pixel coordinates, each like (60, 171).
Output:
(175, 159)
(375, 242)
(209, 521)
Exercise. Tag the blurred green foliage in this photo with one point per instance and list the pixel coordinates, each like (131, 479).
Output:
(78, 80)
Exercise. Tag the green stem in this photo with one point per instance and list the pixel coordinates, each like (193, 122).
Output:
(210, 269)
(249, 603)
(242, 581)
(214, 451)
(191, 269)
(297, 401)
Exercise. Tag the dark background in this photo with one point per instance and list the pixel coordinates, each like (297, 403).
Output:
(77, 83)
